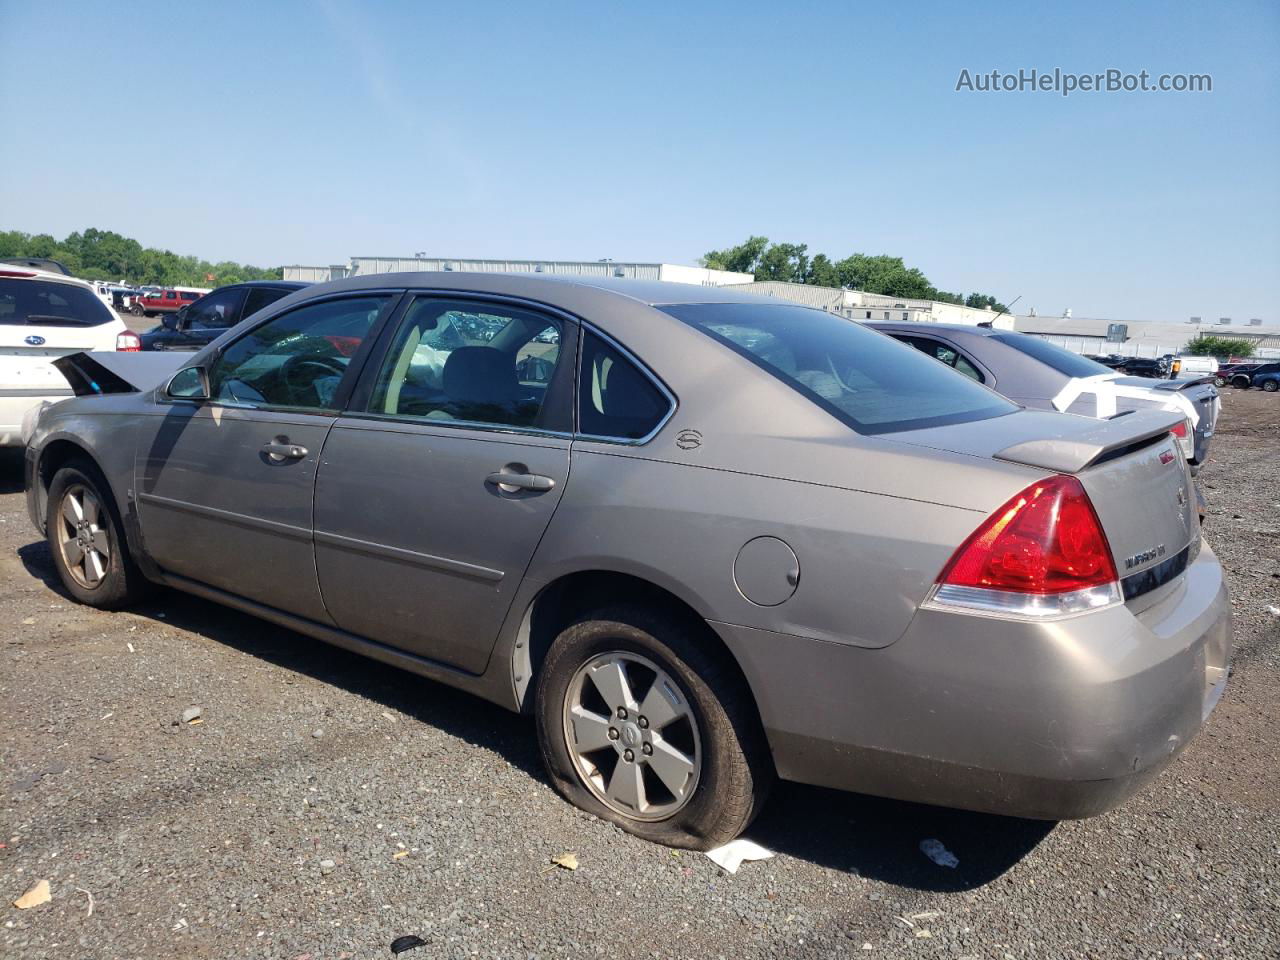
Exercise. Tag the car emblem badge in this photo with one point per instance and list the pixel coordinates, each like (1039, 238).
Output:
(35, 340)
(689, 439)
(1166, 456)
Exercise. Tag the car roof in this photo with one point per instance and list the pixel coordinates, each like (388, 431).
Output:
(261, 284)
(546, 287)
(13, 271)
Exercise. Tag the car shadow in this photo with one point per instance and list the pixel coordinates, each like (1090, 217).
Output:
(11, 469)
(866, 836)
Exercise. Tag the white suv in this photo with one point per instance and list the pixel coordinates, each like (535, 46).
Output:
(44, 316)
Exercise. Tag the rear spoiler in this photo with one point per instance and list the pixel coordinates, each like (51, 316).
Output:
(1105, 441)
(111, 372)
(1171, 385)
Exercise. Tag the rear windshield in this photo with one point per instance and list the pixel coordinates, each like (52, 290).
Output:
(1064, 361)
(44, 303)
(869, 381)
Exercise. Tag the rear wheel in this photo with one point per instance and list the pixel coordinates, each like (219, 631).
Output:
(1219, 381)
(641, 724)
(87, 540)
(1240, 383)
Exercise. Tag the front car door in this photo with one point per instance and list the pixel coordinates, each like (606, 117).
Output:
(438, 483)
(225, 485)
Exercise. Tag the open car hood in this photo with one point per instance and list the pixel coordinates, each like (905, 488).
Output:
(111, 372)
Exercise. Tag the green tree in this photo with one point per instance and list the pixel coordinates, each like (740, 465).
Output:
(822, 272)
(744, 258)
(788, 262)
(980, 301)
(1220, 347)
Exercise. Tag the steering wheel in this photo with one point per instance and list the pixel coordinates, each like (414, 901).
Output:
(300, 372)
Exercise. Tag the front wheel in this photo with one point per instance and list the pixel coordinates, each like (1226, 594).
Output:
(1271, 386)
(641, 723)
(85, 536)
(1219, 381)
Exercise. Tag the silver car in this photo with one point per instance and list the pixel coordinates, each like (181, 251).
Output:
(705, 539)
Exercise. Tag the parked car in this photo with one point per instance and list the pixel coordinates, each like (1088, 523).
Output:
(44, 315)
(1269, 381)
(1031, 371)
(1111, 360)
(164, 301)
(718, 539)
(198, 323)
(1151, 367)
(1229, 370)
(1192, 365)
(1245, 377)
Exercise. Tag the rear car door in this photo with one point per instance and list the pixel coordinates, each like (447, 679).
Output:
(438, 483)
(225, 485)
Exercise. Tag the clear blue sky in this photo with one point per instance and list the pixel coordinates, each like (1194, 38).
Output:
(306, 132)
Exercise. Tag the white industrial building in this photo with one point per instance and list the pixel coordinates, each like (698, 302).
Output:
(1079, 334)
(859, 305)
(670, 272)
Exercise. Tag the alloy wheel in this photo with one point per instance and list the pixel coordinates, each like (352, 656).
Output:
(85, 542)
(632, 735)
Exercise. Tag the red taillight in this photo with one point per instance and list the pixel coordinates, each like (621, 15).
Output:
(1180, 430)
(128, 343)
(1045, 543)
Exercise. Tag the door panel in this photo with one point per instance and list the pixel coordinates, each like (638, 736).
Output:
(217, 507)
(416, 546)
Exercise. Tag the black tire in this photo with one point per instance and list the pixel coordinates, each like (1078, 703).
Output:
(121, 583)
(136, 310)
(1219, 381)
(736, 769)
(1270, 386)
(1241, 383)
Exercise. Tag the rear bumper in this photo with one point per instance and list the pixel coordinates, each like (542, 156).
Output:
(13, 406)
(1050, 720)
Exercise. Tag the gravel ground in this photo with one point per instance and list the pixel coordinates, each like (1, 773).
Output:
(326, 805)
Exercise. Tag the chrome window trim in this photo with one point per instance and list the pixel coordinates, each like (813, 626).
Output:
(412, 421)
(673, 402)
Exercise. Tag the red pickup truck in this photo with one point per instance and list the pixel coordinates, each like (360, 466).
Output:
(166, 301)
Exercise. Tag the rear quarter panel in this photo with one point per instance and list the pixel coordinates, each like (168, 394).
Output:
(866, 560)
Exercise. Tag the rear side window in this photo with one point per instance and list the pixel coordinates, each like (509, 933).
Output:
(867, 380)
(615, 399)
(41, 303)
(260, 297)
(1064, 361)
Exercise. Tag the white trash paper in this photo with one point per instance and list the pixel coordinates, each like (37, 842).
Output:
(731, 856)
(935, 851)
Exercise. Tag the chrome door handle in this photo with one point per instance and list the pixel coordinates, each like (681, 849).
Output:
(280, 450)
(511, 482)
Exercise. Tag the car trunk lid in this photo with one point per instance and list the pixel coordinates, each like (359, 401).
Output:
(1129, 465)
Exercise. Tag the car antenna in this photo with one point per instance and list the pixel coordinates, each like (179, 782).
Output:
(988, 323)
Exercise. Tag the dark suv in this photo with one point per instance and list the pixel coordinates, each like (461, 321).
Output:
(203, 321)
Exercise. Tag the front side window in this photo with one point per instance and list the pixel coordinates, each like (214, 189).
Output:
(298, 359)
(867, 380)
(616, 400)
(44, 303)
(473, 363)
(217, 311)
